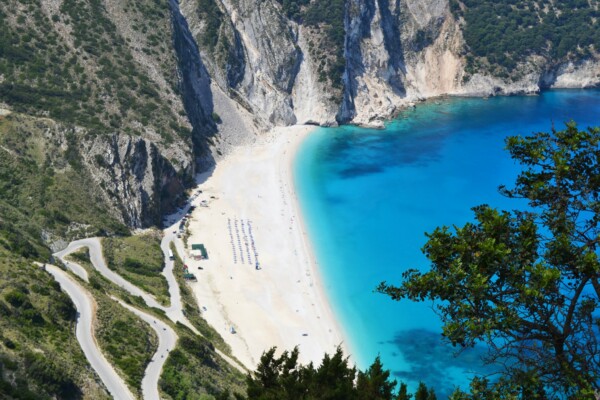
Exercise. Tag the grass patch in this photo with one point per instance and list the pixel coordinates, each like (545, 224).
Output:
(81, 257)
(128, 342)
(140, 260)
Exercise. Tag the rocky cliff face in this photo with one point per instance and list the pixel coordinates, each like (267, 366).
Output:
(140, 183)
(375, 81)
(251, 52)
(395, 52)
(315, 101)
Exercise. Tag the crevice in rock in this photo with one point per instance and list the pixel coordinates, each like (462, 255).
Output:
(195, 89)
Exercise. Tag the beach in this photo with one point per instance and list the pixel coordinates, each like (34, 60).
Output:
(260, 286)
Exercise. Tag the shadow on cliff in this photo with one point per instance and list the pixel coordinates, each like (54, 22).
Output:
(203, 176)
(358, 25)
(194, 84)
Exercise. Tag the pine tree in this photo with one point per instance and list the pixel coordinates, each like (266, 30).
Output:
(374, 384)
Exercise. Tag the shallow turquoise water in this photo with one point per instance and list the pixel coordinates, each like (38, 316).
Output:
(368, 196)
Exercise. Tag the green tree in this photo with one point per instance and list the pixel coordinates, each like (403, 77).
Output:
(334, 379)
(403, 392)
(526, 283)
(266, 382)
(282, 378)
(424, 393)
(374, 383)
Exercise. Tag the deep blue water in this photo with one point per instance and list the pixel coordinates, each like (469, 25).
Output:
(368, 196)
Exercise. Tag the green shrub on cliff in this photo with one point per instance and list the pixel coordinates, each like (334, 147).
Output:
(504, 33)
(88, 76)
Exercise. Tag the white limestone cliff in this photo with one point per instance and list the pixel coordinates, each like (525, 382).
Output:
(396, 53)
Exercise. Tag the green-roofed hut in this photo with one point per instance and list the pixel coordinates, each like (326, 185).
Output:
(201, 248)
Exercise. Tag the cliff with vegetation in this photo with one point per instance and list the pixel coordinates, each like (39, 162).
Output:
(359, 61)
(94, 89)
(108, 109)
(104, 120)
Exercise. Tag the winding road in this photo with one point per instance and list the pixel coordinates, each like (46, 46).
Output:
(174, 311)
(74, 267)
(85, 306)
(167, 338)
(95, 248)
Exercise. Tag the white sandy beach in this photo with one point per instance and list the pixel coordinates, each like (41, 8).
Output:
(283, 303)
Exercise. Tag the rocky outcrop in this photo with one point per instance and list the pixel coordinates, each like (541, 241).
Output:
(375, 67)
(314, 101)
(433, 49)
(572, 75)
(97, 180)
(138, 181)
(143, 178)
(272, 60)
(253, 55)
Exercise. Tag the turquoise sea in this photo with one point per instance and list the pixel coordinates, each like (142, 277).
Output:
(368, 196)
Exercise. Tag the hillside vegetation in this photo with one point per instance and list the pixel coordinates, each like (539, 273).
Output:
(140, 260)
(71, 71)
(73, 64)
(41, 202)
(501, 34)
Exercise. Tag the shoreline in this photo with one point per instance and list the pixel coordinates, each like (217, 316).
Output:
(309, 251)
(251, 213)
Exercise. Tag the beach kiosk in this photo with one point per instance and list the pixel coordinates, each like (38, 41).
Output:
(199, 252)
